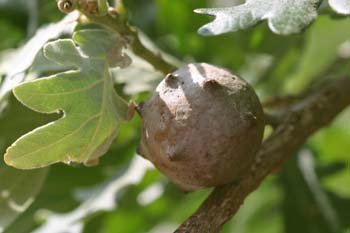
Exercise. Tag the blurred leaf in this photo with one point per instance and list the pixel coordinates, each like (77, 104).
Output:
(100, 198)
(164, 212)
(340, 6)
(338, 182)
(13, 36)
(332, 142)
(18, 190)
(92, 109)
(318, 54)
(330, 169)
(14, 5)
(255, 67)
(306, 207)
(332, 146)
(6, 57)
(284, 17)
(260, 212)
(342, 205)
(58, 195)
(307, 167)
(25, 56)
(140, 76)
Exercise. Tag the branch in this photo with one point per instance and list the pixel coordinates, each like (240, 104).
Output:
(316, 110)
(119, 24)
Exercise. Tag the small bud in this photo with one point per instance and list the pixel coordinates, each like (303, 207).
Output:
(67, 6)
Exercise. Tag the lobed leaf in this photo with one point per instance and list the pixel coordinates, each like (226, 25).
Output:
(92, 111)
(284, 16)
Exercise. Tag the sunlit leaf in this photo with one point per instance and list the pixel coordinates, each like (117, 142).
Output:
(92, 110)
(284, 16)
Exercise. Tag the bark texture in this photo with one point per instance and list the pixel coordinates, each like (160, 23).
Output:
(316, 110)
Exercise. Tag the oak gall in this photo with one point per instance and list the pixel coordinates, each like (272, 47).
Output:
(202, 127)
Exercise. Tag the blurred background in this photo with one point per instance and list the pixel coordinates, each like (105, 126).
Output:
(124, 194)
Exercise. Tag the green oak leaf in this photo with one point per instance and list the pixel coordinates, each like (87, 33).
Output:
(92, 110)
(284, 16)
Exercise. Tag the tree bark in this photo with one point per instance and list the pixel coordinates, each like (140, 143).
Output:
(316, 110)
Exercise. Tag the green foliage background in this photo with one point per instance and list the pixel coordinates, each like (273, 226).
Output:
(288, 201)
